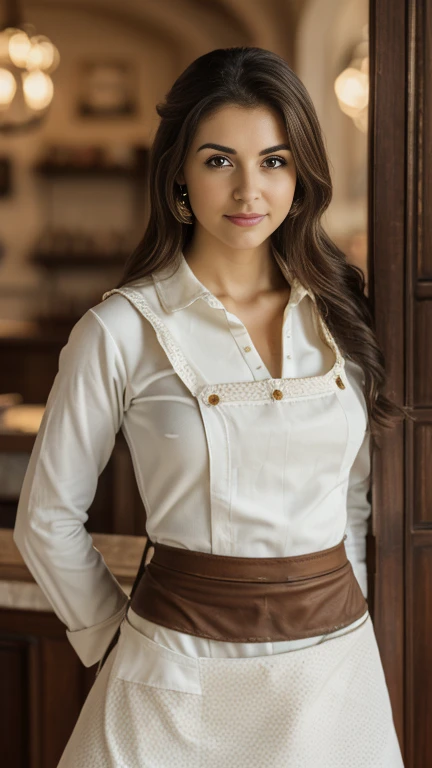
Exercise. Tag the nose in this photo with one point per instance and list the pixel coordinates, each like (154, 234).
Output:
(246, 187)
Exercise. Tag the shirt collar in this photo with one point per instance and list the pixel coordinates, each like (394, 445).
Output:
(182, 288)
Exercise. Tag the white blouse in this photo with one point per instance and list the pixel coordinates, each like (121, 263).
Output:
(296, 494)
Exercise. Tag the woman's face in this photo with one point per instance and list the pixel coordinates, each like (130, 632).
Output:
(249, 169)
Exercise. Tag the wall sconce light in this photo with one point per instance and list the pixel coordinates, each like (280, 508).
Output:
(352, 85)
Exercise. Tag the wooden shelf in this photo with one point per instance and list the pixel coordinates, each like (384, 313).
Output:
(52, 170)
(77, 261)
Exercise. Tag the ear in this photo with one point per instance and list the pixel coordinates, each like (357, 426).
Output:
(180, 179)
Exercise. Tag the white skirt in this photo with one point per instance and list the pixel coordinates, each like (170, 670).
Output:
(152, 707)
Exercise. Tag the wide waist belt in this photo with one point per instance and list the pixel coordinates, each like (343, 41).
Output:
(249, 599)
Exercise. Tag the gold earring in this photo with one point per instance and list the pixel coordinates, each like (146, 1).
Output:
(185, 215)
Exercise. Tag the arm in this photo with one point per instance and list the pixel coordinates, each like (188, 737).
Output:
(358, 512)
(83, 413)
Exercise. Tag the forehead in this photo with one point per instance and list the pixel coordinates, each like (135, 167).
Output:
(242, 125)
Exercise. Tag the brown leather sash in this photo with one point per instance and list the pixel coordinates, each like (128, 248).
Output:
(249, 599)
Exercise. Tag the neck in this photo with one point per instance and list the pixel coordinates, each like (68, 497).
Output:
(239, 275)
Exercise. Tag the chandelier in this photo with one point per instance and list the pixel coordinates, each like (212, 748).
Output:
(26, 63)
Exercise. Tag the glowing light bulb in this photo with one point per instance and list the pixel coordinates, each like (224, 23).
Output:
(352, 88)
(42, 55)
(4, 44)
(7, 87)
(38, 89)
(19, 48)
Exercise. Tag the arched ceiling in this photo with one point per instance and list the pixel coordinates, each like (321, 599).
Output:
(192, 27)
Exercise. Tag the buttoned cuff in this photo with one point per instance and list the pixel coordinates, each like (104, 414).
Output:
(90, 643)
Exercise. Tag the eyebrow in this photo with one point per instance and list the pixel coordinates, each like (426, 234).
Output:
(231, 151)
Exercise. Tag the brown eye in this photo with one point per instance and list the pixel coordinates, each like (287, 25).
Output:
(281, 160)
(215, 157)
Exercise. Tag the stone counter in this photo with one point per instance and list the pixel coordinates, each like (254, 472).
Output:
(18, 589)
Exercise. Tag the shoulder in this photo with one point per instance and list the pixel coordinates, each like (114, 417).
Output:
(90, 346)
(117, 312)
(122, 318)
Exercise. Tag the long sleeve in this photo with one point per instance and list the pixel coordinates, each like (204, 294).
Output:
(83, 413)
(358, 512)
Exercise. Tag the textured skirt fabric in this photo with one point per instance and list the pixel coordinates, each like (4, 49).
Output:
(151, 707)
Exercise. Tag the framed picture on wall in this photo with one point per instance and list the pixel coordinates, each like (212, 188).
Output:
(107, 89)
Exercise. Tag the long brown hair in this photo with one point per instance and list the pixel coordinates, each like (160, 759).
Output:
(249, 77)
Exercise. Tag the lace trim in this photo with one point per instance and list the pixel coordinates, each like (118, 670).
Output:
(255, 391)
(239, 391)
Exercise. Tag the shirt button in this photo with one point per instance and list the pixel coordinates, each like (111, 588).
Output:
(247, 349)
(340, 383)
(289, 356)
(213, 399)
(277, 394)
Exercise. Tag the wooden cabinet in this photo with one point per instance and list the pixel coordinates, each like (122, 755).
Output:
(44, 686)
(43, 683)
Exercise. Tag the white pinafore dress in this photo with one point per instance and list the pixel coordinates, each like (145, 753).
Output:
(323, 705)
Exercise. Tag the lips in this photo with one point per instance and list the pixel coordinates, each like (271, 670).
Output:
(246, 220)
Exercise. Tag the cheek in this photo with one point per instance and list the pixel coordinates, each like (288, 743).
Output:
(208, 195)
(281, 190)
(285, 180)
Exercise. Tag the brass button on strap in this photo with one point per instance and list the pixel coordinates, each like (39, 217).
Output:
(213, 399)
(340, 383)
(277, 394)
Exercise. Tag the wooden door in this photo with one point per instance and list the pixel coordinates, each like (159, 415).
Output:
(400, 250)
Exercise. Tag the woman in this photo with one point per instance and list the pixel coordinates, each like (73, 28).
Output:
(238, 357)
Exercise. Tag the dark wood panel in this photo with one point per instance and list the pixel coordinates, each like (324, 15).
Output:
(34, 695)
(418, 311)
(386, 242)
(14, 703)
(419, 657)
(424, 289)
(29, 367)
(423, 105)
(128, 511)
(420, 489)
(63, 693)
(422, 357)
